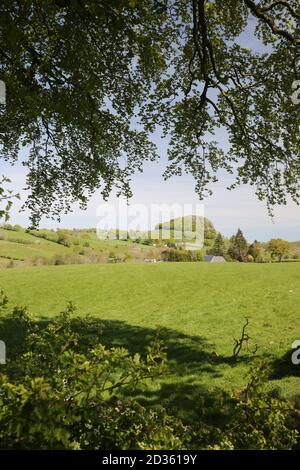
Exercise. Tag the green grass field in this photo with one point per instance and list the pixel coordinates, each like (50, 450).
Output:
(199, 308)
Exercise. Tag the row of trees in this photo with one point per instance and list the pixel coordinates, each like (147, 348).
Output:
(173, 254)
(240, 250)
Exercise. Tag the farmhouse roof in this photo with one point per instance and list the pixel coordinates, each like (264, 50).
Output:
(214, 259)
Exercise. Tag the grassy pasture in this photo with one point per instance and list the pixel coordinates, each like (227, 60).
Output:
(23, 246)
(198, 307)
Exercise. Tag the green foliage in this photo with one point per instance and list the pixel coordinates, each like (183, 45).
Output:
(73, 117)
(45, 246)
(178, 255)
(62, 390)
(278, 248)
(6, 196)
(238, 247)
(259, 421)
(45, 234)
(255, 250)
(38, 247)
(12, 228)
(63, 237)
(198, 255)
(264, 257)
(218, 248)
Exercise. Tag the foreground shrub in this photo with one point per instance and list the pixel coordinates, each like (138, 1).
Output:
(259, 420)
(62, 389)
(63, 392)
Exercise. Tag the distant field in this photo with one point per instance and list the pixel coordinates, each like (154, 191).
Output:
(199, 307)
(26, 249)
(22, 248)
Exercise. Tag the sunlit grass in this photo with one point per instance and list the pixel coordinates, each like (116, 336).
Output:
(199, 308)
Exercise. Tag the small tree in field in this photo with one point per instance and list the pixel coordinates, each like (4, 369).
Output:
(255, 250)
(278, 248)
(218, 248)
(239, 247)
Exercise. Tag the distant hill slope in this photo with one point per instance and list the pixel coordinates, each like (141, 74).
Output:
(19, 246)
(189, 225)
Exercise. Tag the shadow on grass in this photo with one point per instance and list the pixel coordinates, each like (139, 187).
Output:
(284, 367)
(188, 357)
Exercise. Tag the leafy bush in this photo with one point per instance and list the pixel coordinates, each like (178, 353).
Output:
(178, 255)
(264, 257)
(62, 389)
(63, 238)
(8, 227)
(46, 235)
(199, 255)
(12, 228)
(63, 259)
(259, 420)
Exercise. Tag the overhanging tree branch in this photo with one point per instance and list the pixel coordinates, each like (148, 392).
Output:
(260, 13)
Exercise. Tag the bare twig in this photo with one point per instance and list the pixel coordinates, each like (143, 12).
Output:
(244, 339)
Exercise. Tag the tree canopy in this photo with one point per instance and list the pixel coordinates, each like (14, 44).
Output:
(88, 82)
(278, 248)
(238, 248)
(218, 248)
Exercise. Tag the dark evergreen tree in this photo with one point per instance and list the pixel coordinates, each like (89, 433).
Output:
(218, 248)
(239, 247)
